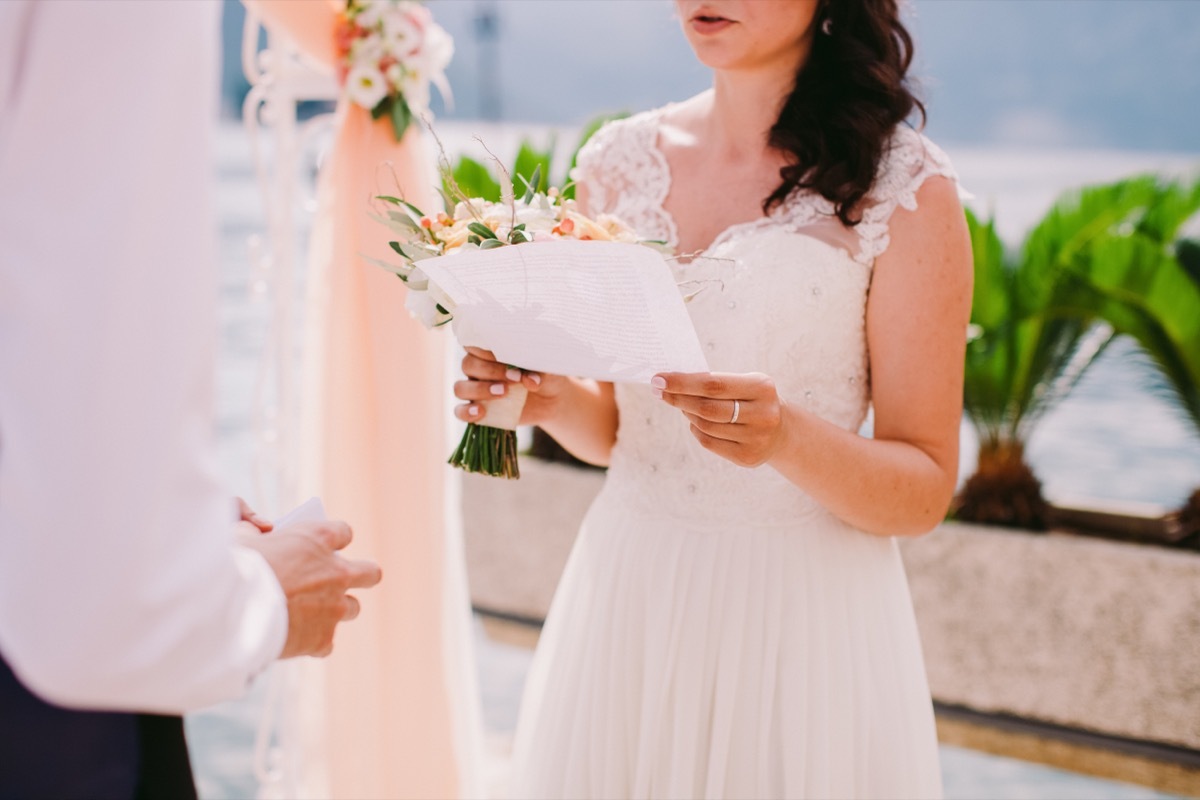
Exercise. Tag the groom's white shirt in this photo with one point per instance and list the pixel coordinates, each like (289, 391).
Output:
(120, 583)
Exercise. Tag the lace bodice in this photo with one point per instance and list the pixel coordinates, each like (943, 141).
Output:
(784, 295)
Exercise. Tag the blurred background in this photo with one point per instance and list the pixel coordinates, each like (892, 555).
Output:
(1063, 664)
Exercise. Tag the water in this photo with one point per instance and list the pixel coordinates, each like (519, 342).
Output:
(1111, 439)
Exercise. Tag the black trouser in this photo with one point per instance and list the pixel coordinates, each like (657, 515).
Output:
(52, 752)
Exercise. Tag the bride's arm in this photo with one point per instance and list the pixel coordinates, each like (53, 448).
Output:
(901, 481)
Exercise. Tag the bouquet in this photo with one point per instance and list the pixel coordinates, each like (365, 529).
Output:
(391, 52)
(477, 224)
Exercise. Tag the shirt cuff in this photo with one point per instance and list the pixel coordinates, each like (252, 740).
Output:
(266, 622)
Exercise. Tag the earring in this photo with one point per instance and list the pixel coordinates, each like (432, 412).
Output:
(827, 27)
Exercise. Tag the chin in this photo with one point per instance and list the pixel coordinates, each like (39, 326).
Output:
(718, 54)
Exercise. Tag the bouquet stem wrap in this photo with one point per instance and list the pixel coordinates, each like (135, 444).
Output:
(491, 449)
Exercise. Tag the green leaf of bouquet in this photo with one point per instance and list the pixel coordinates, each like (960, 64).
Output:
(532, 165)
(531, 186)
(418, 252)
(481, 230)
(395, 227)
(491, 244)
(412, 252)
(381, 109)
(407, 221)
(401, 116)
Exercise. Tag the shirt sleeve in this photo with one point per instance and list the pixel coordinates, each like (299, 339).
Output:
(121, 585)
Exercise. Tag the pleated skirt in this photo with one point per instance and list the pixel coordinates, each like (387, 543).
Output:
(686, 659)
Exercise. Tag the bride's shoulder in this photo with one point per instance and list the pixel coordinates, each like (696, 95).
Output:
(634, 130)
(909, 159)
(634, 134)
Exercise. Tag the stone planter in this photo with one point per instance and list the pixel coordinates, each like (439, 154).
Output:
(1088, 634)
(1084, 633)
(518, 534)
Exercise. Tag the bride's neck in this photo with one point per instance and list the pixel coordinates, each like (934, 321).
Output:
(745, 104)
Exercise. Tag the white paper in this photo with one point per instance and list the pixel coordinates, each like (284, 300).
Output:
(603, 310)
(311, 510)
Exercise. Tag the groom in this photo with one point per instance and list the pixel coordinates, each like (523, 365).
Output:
(125, 599)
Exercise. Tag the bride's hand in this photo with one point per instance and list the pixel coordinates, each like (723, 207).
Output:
(488, 379)
(738, 417)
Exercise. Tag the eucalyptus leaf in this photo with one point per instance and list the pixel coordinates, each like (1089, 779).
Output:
(481, 230)
(491, 244)
(418, 212)
(407, 221)
(394, 226)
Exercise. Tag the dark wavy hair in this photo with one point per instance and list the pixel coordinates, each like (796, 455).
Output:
(848, 98)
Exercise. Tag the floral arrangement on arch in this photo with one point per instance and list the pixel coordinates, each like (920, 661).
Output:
(391, 51)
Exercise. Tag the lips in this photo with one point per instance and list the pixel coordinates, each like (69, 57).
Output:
(707, 22)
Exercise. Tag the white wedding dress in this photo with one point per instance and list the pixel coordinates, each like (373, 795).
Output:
(717, 633)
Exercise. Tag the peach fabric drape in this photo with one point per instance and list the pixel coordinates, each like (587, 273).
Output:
(377, 457)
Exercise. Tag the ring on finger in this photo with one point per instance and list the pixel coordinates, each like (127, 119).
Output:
(737, 411)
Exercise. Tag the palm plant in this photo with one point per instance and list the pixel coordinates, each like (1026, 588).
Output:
(1037, 329)
(1147, 285)
(531, 166)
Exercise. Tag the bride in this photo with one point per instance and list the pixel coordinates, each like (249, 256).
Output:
(734, 620)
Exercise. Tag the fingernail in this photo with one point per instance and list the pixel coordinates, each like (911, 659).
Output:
(472, 411)
(513, 375)
(657, 393)
(496, 389)
(537, 379)
(658, 382)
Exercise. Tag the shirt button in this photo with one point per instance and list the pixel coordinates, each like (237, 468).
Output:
(732, 304)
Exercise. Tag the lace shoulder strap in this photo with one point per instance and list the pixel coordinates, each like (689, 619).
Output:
(911, 158)
(626, 175)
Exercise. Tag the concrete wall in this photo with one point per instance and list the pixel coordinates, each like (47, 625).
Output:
(1081, 632)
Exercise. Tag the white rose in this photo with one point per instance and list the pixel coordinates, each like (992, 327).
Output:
(366, 86)
(415, 89)
(436, 50)
(368, 50)
(395, 76)
(372, 12)
(536, 219)
(401, 36)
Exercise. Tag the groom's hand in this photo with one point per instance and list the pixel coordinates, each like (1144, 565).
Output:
(315, 580)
